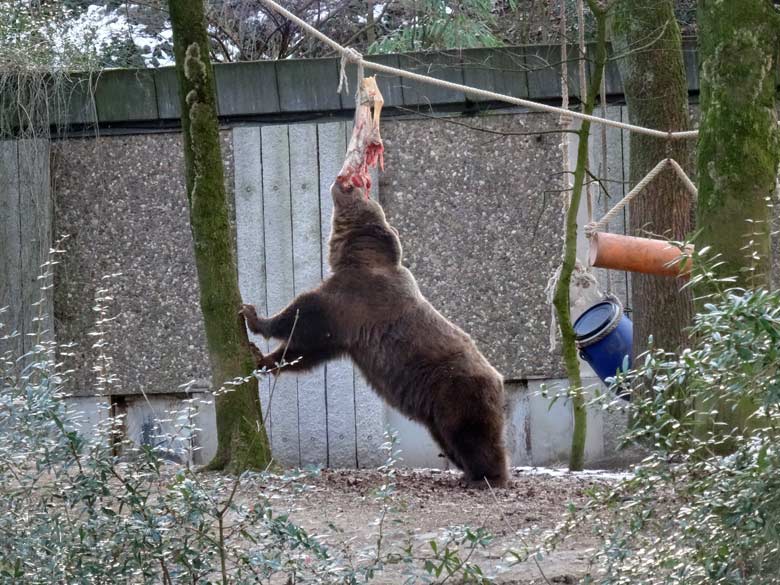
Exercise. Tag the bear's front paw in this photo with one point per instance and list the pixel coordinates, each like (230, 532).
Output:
(257, 354)
(247, 311)
(254, 322)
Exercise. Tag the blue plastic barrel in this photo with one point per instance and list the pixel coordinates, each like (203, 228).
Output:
(604, 336)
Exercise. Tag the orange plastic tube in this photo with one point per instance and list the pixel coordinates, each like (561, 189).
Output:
(631, 254)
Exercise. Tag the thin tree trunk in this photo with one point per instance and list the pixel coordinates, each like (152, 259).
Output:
(647, 36)
(738, 153)
(242, 441)
(738, 140)
(561, 299)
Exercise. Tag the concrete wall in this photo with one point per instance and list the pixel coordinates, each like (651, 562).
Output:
(481, 227)
(121, 199)
(183, 425)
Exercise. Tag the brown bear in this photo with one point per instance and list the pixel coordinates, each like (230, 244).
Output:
(371, 309)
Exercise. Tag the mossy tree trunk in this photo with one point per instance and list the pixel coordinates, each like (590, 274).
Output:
(738, 154)
(242, 440)
(647, 37)
(561, 300)
(738, 140)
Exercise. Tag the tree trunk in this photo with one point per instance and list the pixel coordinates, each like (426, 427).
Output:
(738, 140)
(561, 300)
(738, 154)
(242, 441)
(647, 37)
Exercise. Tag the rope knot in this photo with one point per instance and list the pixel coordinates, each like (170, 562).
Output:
(349, 55)
(565, 120)
(591, 228)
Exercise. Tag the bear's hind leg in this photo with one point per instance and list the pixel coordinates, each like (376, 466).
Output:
(479, 446)
(447, 449)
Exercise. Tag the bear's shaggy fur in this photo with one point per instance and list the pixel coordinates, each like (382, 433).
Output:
(371, 309)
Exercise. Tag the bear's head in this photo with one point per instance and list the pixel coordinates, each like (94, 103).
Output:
(360, 233)
(351, 206)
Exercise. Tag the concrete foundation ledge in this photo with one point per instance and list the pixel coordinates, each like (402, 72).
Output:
(538, 431)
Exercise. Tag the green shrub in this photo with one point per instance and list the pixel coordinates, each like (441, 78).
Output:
(82, 504)
(689, 514)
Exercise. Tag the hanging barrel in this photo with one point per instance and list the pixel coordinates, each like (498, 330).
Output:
(604, 336)
(659, 257)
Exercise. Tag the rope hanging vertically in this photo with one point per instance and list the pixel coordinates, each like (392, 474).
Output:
(350, 55)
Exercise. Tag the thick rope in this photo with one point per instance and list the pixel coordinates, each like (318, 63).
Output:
(604, 164)
(610, 215)
(474, 92)
(604, 153)
(584, 94)
(565, 118)
(685, 179)
(594, 227)
(350, 55)
(583, 52)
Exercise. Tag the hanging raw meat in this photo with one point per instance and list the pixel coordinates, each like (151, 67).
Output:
(365, 148)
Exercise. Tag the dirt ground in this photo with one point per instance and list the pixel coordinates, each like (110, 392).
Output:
(428, 502)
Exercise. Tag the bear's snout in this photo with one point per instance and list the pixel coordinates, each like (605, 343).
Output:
(342, 192)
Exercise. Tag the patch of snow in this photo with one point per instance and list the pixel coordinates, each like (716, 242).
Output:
(232, 49)
(258, 18)
(563, 472)
(95, 30)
